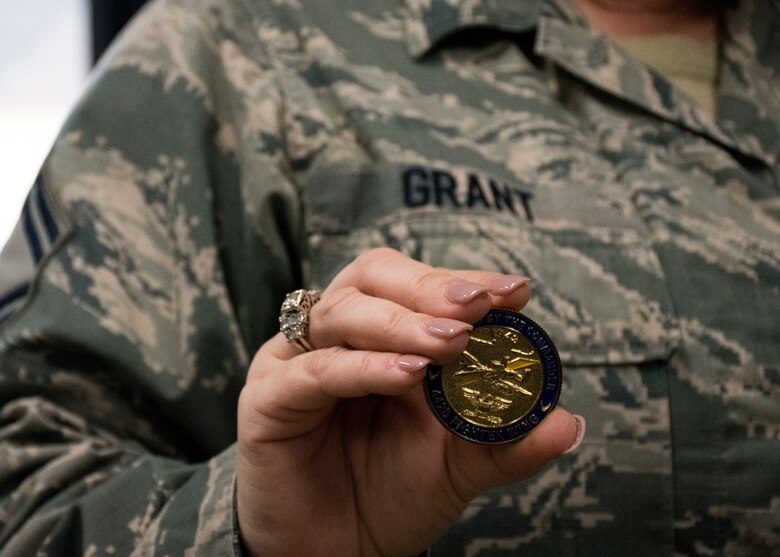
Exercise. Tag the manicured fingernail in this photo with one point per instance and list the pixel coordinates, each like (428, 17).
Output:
(507, 284)
(444, 328)
(580, 435)
(410, 363)
(464, 292)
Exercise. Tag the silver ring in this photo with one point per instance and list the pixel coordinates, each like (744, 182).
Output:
(294, 317)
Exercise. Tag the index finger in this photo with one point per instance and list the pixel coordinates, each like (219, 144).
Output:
(458, 294)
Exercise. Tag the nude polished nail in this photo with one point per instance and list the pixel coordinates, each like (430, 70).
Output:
(580, 435)
(464, 292)
(411, 363)
(444, 328)
(507, 284)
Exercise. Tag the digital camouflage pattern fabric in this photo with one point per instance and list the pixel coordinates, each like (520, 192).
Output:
(229, 151)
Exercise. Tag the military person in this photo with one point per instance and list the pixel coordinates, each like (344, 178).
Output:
(418, 162)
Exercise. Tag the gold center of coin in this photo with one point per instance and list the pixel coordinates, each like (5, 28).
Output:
(496, 380)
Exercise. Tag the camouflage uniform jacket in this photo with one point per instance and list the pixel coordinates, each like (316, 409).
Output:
(228, 151)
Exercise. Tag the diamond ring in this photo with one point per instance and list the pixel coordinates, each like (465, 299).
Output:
(294, 317)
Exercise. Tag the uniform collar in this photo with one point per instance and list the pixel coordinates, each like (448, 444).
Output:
(428, 22)
(748, 89)
(747, 93)
(750, 78)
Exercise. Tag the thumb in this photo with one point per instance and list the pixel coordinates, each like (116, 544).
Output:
(477, 468)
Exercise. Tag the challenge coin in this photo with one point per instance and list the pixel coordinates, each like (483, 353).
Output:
(506, 381)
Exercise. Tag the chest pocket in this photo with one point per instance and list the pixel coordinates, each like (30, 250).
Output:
(599, 289)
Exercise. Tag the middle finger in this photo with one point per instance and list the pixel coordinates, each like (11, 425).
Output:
(347, 317)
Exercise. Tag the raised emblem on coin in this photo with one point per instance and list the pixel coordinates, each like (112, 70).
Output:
(502, 385)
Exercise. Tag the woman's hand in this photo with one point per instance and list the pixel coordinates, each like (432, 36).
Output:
(338, 453)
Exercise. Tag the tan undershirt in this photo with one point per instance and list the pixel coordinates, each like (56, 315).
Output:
(690, 64)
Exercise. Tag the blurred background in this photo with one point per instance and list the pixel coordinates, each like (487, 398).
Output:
(47, 48)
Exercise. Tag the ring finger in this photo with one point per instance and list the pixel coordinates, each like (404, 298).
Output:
(349, 318)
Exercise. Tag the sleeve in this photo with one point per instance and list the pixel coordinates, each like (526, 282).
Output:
(148, 265)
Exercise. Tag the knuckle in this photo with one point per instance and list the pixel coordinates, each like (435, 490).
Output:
(383, 253)
(423, 284)
(365, 363)
(312, 367)
(263, 363)
(392, 320)
(331, 307)
(372, 256)
(315, 369)
(258, 369)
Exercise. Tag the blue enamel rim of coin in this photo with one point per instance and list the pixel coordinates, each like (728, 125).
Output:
(551, 390)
